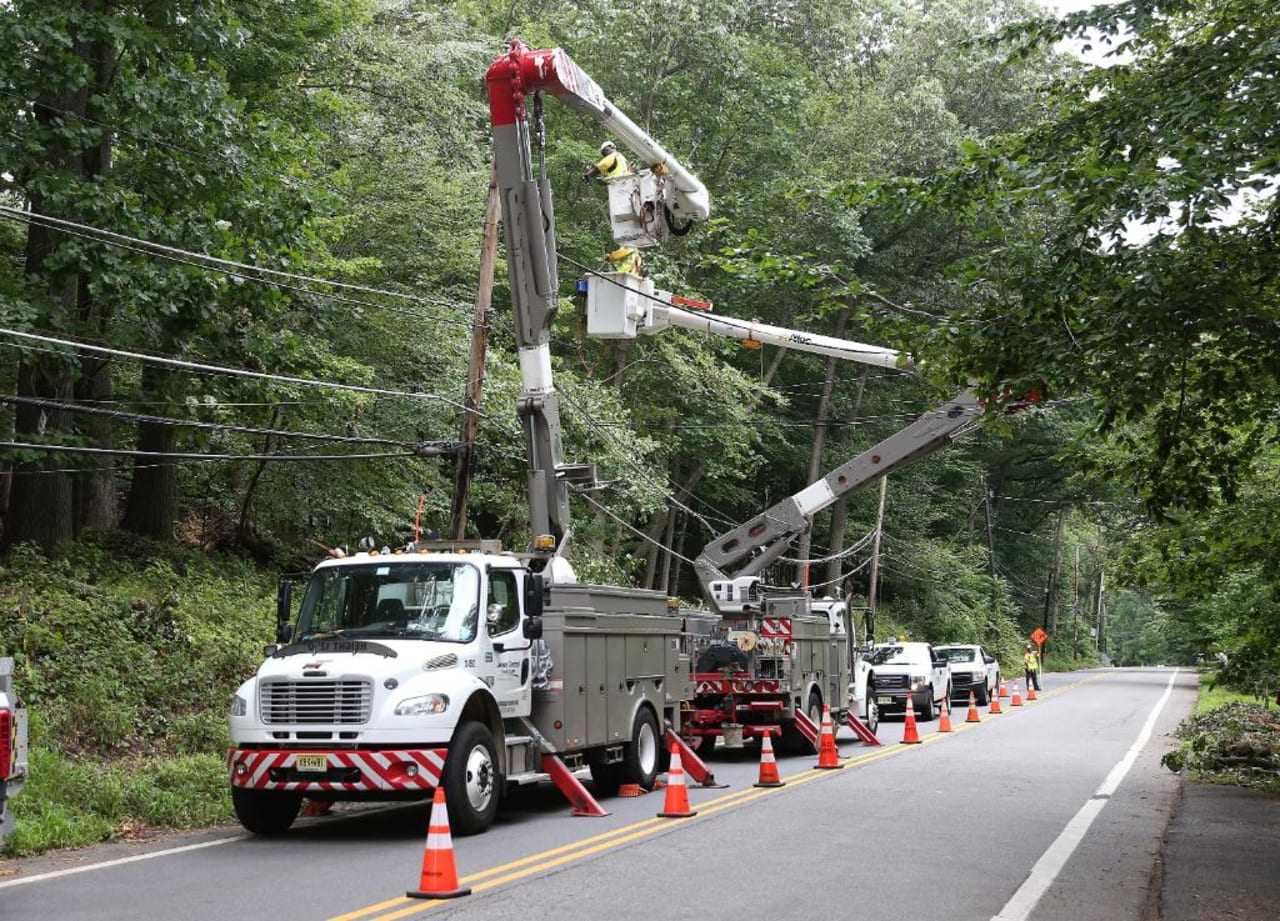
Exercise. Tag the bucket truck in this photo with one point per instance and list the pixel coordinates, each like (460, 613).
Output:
(461, 665)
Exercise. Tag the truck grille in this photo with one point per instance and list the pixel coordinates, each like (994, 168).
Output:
(342, 701)
(890, 682)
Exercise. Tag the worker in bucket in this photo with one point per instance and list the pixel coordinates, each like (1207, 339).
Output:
(625, 259)
(611, 165)
(1031, 663)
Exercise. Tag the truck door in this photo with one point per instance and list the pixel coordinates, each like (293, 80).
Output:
(511, 685)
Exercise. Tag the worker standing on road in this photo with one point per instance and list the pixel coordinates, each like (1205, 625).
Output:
(625, 259)
(612, 164)
(1031, 661)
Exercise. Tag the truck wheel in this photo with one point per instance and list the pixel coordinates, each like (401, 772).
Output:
(926, 709)
(606, 778)
(872, 721)
(792, 741)
(471, 780)
(983, 696)
(640, 757)
(265, 812)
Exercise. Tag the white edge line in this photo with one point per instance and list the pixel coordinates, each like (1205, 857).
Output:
(1051, 862)
(72, 871)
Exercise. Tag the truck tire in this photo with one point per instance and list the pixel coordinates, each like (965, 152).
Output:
(471, 781)
(606, 778)
(872, 720)
(983, 696)
(265, 812)
(641, 756)
(926, 709)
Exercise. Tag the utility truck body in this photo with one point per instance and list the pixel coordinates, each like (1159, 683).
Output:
(13, 745)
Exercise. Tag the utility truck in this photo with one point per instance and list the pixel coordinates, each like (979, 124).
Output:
(464, 665)
(13, 745)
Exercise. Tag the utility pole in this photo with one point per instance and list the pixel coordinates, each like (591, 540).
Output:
(1075, 607)
(475, 366)
(875, 561)
(1102, 581)
(991, 548)
(1049, 620)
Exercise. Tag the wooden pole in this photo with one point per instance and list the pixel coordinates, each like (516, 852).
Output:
(475, 366)
(1049, 620)
(875, 561)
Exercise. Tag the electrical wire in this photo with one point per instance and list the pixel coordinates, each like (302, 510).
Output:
(848, 551)
(193, 423)
(236, 372)
(633, 529)
(193, 455)
(861, 566)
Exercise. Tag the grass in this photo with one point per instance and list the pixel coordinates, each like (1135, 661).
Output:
(127, 654)
(1213, 697)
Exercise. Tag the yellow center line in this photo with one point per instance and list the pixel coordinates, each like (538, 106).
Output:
(586, 847)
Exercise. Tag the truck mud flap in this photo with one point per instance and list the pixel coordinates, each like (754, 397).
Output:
(694, 766)
(584, 804)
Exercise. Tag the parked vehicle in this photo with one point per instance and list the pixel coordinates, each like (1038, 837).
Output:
(899, 670)
(973, 669)
(13, 745)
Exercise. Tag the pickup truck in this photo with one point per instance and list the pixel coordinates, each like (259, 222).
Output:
(899, 670)
(13, 745)
(973, 669)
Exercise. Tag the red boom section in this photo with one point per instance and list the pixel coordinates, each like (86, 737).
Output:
(522, 71)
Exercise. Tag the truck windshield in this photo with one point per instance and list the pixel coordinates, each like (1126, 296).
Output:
(423, 601)
(888, 655)
(957, 654)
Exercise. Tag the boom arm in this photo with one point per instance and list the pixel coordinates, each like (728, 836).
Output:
(528, 222)
(749, 548)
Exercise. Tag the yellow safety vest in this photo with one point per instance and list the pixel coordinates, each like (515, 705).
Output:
(1032, 661)
(613, 165)
(625, 259)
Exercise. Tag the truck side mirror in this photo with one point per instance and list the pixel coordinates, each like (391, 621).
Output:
(532, 628)
(284, 611)
(534, 593)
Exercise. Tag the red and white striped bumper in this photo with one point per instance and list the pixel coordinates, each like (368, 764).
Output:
(347, 770)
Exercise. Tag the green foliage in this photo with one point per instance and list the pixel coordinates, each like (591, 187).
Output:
(1236, 743)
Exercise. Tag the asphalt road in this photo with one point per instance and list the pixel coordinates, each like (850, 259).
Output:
(1054, 812)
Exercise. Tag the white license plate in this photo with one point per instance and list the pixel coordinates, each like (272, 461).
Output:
(884, 700)
(312, 763)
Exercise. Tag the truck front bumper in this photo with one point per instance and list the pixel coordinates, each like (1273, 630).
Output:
(344, 770)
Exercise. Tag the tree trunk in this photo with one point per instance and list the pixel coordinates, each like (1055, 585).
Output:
(840, 511)
(666, 554)
(152, 509)
(95, 490)
(821, 418)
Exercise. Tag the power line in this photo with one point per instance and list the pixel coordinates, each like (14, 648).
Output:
(634, 530)
(213, 264)
(848, 551)
(193, 423)
(236, 372)
(861, 566)
(192, 455)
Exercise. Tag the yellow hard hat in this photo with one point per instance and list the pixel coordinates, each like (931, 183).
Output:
(622, 252)
(607, 147)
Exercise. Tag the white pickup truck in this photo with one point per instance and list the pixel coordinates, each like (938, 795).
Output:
(896, 670)
(13, 745)
(973, 670)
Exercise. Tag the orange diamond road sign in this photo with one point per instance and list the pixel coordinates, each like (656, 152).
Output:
(1039, 636)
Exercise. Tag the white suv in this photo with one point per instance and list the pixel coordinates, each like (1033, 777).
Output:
(896, 670)
(974, 670)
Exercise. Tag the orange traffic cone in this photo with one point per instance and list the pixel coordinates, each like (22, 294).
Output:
(439, 878)
(910, 736)
(973, 716)
(1017, 696)
(631, 789)
(1031, 693)
(944, 721)
(1004, 689)
(768, 766)
(995, 707)
(677, 802)
(828, 754)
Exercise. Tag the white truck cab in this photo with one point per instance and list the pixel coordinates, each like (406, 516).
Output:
(427, 667)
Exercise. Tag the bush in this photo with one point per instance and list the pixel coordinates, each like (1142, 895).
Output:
(1238, 743)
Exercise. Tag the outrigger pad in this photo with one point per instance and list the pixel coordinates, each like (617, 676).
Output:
(584, 804)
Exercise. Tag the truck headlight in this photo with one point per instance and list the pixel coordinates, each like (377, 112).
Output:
(239, 706)
(419, 706)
